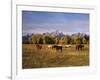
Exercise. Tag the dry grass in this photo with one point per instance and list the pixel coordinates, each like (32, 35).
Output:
(34, 58)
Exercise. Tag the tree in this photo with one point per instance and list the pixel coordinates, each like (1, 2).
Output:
(25, 39)
(61, 41)
(49, 40)
(36, 39)
(40, 41)
(86, 37)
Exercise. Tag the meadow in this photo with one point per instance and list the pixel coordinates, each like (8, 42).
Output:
(47, 57)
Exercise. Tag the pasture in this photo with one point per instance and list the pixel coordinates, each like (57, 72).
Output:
(48, 57)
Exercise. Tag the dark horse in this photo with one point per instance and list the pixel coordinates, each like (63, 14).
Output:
(79, 46)
(38, 46)
(57, 47)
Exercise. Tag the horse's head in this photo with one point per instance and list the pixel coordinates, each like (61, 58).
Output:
(54, 46)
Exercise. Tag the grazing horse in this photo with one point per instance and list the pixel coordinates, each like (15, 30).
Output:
(79, 46)
(38, 46)
(57, 47)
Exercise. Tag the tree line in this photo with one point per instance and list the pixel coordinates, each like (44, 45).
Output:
(78, 38)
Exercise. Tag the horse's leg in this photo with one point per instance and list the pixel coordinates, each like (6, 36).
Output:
(78, 48)
(56, 49)
(81, 48)
(61, 49)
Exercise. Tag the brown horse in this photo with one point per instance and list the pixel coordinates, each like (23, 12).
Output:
(38, 46)
(57, 47)
(79, 46)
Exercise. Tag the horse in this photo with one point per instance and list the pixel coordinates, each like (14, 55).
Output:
(38, 46)
(49, 46)
(79, 46)
(57, 47)
(68, 46)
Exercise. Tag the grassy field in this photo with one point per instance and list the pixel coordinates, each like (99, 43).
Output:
(46, 57)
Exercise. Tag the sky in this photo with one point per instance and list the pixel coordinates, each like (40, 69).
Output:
(42, 22)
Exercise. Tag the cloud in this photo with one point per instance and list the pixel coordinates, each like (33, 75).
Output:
(65, 27)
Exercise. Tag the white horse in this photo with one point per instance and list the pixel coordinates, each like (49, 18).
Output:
(68, 46)
(49, 46)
